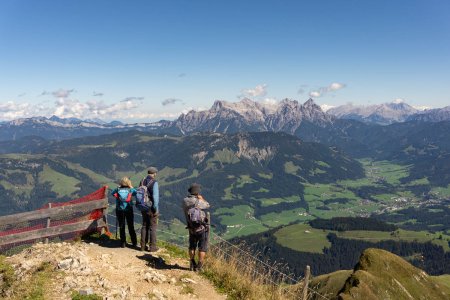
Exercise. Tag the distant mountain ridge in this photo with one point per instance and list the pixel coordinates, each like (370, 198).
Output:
(383, 114)
(432, 115)
(248, 115)
(56, 128)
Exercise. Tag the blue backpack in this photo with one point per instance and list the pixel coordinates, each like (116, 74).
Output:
(143, 200)
(123, 195)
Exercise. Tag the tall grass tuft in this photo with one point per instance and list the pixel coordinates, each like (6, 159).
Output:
(243, 276)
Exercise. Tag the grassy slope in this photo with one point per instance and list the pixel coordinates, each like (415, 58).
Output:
(381, 275)
(317, 195)
(304, 238)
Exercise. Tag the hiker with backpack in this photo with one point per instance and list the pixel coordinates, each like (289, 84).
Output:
(197, 224)
(124, 210)
(147, 201)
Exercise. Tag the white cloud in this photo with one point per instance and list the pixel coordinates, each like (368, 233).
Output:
(170, 101)
(315, 94)
(12, 110)
(270, 101)
(336, 86)
(68, 108)
(258, 91)
(133, 99)
(62, 93)
(326, 107)
(322, 91)
(423, 107)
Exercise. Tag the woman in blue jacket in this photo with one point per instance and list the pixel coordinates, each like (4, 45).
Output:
(124, 210)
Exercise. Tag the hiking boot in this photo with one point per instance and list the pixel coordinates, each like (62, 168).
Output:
(143, 248)
(199, 267)
(123, 245)
(193, 265)
(153, 249)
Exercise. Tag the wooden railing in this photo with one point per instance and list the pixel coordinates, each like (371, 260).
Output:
(17, 233)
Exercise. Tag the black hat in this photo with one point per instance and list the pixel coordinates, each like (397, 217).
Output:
(152, 170)
(194, 189)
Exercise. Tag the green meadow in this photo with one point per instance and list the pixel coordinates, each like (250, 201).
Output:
(302, 237)
(61, 184)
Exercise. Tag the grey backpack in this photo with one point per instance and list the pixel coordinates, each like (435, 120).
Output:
(197, 217)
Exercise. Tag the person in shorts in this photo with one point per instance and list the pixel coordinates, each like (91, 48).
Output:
(197, 224)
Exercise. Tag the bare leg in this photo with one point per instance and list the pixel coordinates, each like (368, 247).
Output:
(192, 263)
(192, 254)
(201, 256)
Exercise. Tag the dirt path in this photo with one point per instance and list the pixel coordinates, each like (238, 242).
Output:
(115, 273)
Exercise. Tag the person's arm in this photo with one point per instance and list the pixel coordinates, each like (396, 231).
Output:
(156, 197)
(133, 193)
(114, 193)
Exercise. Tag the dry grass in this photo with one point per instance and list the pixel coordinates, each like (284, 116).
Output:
(35, 286)
(242, 276)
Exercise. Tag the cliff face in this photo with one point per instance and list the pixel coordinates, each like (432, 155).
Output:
(380, 274)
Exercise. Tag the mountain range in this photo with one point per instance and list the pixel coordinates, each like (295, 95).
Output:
(228, 117)
(384, 114)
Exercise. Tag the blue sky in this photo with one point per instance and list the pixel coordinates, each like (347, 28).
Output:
(147, 60)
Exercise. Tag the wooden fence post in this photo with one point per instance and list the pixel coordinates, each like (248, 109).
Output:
(105, 219)
(306, 283)
(105, 212)
(48, 221)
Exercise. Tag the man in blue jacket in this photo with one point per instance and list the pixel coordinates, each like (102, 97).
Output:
(150, 218)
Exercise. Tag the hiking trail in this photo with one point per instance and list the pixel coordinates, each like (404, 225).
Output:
(113, 272)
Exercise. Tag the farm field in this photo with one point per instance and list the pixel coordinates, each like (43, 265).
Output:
(304, 238)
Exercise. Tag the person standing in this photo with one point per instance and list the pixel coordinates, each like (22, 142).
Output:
(124, 210)
(197, 224)
(150, 217)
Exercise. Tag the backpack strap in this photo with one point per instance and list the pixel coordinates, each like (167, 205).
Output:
(149, 186)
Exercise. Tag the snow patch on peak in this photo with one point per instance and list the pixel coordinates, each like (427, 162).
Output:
(398, 101)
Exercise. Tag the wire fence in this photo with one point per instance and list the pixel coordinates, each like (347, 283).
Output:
(226, 249)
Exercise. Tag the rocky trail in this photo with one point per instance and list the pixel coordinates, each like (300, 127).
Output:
(112, 272)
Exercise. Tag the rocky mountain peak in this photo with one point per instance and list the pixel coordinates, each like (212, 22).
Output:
(310, 103)
(249, 115)
(385, 113)
(218, 104)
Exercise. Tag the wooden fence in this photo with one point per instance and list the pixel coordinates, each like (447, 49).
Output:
(53, 222)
